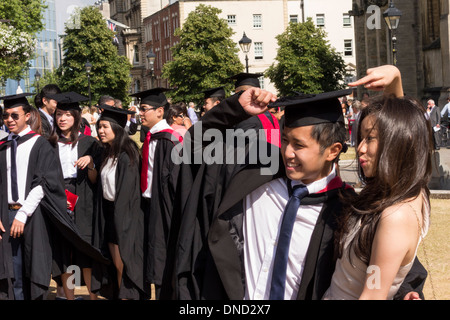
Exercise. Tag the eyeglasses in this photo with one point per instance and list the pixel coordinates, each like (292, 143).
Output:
(14, 116)
(180, 115)
(144, 110)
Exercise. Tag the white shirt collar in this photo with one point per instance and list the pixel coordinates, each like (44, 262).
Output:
(21, 134)
(161, 125)
(318, 185)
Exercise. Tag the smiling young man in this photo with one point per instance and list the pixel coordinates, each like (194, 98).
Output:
(242, 243)
(159, 177)
(32, 205)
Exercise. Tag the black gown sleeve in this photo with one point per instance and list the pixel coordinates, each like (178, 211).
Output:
(414, 281)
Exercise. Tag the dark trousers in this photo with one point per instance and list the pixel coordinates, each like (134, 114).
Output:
(16, 245)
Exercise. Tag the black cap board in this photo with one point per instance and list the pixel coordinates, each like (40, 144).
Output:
(218, 92)
(113, 114)
(154, 97)
(310, 109)
(246, 79)
(15, 100)
(68, 100)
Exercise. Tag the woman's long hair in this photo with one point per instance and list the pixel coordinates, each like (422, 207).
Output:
(74, 130)
(402, 168)
(121, 143)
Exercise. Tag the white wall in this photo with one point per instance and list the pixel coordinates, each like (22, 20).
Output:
(273, 23)
(333, 11)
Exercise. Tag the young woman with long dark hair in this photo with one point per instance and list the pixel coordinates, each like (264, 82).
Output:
(79, 157)
(123, 225)
(382, 226)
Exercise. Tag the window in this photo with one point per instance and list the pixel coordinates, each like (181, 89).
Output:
(257, 21)
(231, 18)
(136, 53)
(320, 20)
(293, 18)
(348, 48)
(347, 20)
(261, 82)
(258, 50)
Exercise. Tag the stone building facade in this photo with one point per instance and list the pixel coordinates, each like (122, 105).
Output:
(422, 44)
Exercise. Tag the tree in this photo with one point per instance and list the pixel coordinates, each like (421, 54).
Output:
(204, 57)
(20, 20)
(306, 61)
(90, 39)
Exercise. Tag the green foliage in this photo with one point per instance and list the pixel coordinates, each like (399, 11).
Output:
(90, 39)
(204, 57)
(20, 21)
(306, 62)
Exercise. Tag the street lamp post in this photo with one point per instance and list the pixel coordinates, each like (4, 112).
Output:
(245, 44)
(88, 67)
(151, 56)
(392, 18)
(37, 77)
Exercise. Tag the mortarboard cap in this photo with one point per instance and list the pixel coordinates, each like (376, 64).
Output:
(154, 97)
(15, 100)
(246, 79)
(113, 114)
(214, 92)
(68, 100)
(311, 109)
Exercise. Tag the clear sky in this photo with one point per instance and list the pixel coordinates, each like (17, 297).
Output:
(65, 8)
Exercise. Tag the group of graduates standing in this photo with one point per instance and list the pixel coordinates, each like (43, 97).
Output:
(133, 220)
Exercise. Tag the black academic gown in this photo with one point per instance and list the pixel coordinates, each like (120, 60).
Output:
(85, 208)
(50, 216)
(161, 225)
(129, 224)
(209, 258)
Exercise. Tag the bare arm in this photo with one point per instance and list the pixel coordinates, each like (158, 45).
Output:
(393, 246)
(385, 78)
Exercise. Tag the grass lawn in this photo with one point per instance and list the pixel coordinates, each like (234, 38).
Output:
(434, 252)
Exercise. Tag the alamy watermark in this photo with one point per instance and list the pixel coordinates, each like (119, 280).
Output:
(231, 146)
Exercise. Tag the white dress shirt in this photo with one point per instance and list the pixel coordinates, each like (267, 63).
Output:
(264, 209)
(161, 125)
(31, 202)
(108, 178)
(68, 155)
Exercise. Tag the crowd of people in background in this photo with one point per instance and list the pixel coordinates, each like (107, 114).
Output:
(78, 191)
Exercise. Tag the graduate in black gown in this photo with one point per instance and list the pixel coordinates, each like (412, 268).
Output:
(34, 210)
(226, 246)
(159, 176)
(79, 156)
(119, 230)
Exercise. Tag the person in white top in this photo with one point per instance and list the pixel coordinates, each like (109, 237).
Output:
(123, 225)
(383, 225)
(77, 155)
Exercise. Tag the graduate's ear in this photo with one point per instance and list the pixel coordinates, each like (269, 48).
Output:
(333, 151)
(160, 112)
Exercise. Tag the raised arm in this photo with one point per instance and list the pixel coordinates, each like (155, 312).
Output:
(385, 78)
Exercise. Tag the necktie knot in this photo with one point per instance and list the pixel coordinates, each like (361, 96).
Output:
(300, 191)
(15, 137)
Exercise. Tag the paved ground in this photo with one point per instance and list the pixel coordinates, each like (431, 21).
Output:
(440, 182)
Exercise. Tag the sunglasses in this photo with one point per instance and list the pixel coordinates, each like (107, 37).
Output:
(144, 110)
(14, 116)
(180, 115)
